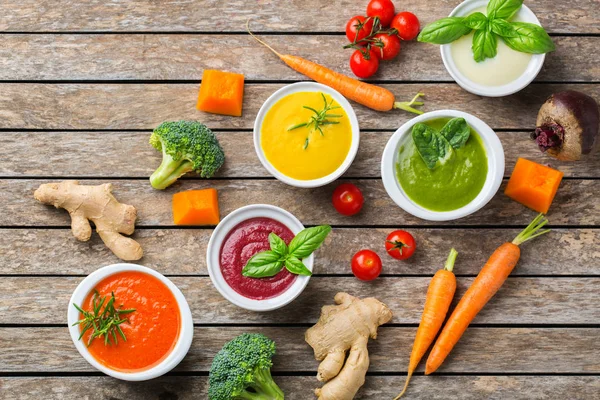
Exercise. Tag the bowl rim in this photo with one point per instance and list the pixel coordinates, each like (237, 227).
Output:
(534, 67)
(494, 152)
(307, 87)
(214, 250)
(178, 352)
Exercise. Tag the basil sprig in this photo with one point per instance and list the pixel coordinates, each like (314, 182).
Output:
(520, 36)
(269, 263)
(434, 146)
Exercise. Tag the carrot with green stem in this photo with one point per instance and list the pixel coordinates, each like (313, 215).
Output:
(439, 296)
(374, 97)
(486, 284)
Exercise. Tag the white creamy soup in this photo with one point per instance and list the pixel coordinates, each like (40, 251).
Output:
(506, 67)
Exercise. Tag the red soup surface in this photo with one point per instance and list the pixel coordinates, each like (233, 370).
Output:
(242, 242)
(153, 327)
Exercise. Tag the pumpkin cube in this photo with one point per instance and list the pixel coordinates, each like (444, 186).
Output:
(196, 207)
(533, 185)
(221, 93)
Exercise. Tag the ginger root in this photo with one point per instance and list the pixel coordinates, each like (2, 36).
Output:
(96, 204)
(346, 326)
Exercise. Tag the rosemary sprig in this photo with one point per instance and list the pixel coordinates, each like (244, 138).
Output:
(104, 322)
(319, 119)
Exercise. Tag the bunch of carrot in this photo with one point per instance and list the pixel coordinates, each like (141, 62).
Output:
(441, 291)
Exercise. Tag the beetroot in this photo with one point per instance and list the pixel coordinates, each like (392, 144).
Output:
(567, 125)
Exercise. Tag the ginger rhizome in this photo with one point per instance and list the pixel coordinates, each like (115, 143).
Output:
(345, 326)
(96, 204)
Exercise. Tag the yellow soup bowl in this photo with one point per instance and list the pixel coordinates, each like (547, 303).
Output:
(293, 148)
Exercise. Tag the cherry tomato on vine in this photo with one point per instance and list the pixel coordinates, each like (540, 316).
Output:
(366, 265)
(386, 47)
(400, 245)
(407, 25)
(358, 27)
(384, 9)
(364, 63)
(347, 199)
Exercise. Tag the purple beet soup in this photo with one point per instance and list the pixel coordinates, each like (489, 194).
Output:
(242, 242)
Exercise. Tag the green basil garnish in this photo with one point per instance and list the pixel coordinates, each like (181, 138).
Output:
(456, 132)
(503, 9)
(476, 21)
(431, 146)
(484, 45)
(503, 28)
(269, 263)
(531, 39)
(443, 31)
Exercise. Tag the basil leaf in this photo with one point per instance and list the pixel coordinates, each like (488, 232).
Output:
(476, 21)
(484, 45)
(308, 240)
(263, 264)
(278, 246)
(504, 9)
(444, 31)
(428, 145)
(503, 28)
(456, 132)
(531, 39)
(295, 266)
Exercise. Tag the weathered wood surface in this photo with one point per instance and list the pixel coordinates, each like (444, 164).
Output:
(120, 154)
(183, 57)
(480, 350)
(218, 16)
(575, 203)
(31, 300)
(298, 388)
(144, 106)
(181, 251)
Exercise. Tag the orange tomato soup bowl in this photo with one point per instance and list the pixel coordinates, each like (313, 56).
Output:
(159, 332)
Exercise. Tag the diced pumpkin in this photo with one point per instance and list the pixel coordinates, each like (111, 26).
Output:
(533, 185)
(221, 93)
(196, 207)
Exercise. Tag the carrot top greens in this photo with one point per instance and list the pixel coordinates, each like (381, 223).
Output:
(533, 230)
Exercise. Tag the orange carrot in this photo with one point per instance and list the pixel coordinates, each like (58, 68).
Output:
(439, 296)
(368, 95)
(486, 284)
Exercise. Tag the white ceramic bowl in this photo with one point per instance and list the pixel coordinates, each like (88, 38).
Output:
(307, 87)
(214, 250)
(535, 64)
(186, 331)
(495, 157)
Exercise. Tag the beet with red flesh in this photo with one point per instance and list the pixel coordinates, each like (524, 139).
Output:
(567, 125)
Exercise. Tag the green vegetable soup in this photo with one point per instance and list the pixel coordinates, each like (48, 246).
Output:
(453, 182)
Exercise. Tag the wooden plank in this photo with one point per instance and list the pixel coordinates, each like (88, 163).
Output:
(217, 16)
(299, 387)
(29, 300)
(481, 350)
(575, 203)
(180, 251)
(142, 57)
(144, 106)
(118, 154)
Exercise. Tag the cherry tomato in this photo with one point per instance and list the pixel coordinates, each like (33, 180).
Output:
(400, 245)
(386, 47)
(384, 9)
(364, 63)
(366, 265)
(358, 28)
(407, 25)
(347, 199)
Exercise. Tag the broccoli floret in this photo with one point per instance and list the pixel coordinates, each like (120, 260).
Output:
(241, 370)
(186, 146)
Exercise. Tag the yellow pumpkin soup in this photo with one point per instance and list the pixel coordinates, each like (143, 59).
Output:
(306, 135)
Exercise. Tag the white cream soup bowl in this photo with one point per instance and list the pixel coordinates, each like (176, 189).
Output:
(533, 68)
(213, 254)
(495, 157)
(307, 87)
(186, 331)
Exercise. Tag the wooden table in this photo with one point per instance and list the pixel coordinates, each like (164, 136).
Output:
(84, 83)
